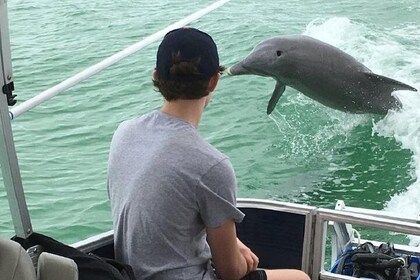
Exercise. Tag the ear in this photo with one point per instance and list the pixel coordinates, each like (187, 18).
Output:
(155, 75)
(213, 82)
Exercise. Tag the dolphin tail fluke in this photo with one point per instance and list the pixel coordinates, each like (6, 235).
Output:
(394, 84)
(277, 93)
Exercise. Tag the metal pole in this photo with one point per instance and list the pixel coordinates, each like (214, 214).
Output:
(94, 69)
(8, 159)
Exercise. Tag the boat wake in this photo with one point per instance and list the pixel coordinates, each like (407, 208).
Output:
(404, 126)
(393, 53)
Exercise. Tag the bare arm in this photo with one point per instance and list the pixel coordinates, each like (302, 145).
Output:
(231, 258)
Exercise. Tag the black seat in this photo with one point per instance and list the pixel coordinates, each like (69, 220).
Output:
(277, 238)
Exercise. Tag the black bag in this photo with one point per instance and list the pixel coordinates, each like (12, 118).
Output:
(91, 267)
(380, 263)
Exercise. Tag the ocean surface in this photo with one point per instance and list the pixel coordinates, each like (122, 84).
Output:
(304, 152)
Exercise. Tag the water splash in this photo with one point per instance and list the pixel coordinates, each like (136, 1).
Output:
(337, 31)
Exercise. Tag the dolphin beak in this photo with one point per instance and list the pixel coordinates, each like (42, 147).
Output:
(237, 69)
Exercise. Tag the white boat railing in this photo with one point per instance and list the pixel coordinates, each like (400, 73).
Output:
(94, 69)
(315, 232)
(8, 159)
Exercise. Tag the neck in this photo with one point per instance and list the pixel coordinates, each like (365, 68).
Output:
(188, 110)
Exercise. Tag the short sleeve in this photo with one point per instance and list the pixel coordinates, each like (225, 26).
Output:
(216, 195)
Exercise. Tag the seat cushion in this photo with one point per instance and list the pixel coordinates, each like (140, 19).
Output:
(53, 267)
(15, 263)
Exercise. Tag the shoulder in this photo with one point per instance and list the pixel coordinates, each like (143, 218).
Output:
(220, 172)
(130, 125)
(211, 158)
(137, 120)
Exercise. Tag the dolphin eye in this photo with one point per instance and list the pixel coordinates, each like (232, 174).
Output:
(278, 53)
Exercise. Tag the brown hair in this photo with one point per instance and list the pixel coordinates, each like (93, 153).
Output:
(174, 90)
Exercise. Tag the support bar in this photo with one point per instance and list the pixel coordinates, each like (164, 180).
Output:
(81, 76)
(8, 159)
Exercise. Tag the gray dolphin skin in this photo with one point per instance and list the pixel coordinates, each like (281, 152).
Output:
(321, 72)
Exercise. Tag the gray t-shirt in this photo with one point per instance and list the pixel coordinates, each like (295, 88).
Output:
(166, 185)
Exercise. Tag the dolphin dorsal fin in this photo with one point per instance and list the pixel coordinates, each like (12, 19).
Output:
(277, 93)
(394, 84)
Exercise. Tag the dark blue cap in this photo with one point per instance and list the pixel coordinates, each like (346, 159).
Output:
(192, 45)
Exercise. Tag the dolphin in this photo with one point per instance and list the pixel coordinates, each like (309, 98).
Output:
(321, 72)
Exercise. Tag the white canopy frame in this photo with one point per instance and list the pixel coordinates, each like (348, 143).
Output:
(8, 159)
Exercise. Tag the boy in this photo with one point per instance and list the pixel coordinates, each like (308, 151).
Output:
(173, 195)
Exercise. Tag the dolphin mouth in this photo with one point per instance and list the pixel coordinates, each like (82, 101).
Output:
(241, 69)
(237, 69)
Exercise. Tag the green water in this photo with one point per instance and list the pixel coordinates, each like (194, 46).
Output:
(304, 152)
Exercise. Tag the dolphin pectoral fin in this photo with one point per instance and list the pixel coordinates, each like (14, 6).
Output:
(393, 84)
(277, 93)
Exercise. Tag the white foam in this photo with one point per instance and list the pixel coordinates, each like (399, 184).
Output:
(404, 126)
(337, 31)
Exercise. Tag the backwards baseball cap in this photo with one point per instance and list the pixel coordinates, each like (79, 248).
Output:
(188, 45)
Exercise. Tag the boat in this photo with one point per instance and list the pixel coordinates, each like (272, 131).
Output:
(282, 234)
